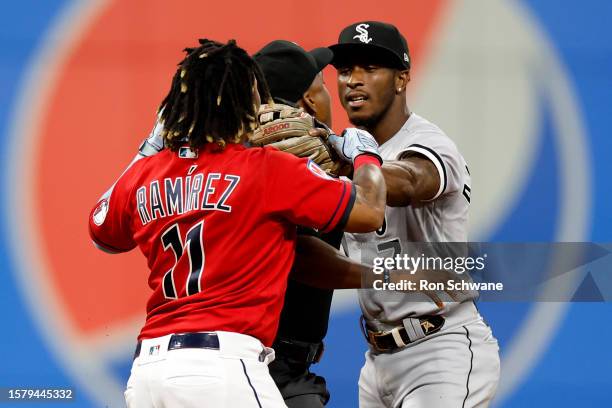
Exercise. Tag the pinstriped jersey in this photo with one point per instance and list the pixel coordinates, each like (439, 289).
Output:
(443, 218)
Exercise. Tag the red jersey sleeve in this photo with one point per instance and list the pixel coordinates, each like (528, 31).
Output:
(301, 192)
(110, 220)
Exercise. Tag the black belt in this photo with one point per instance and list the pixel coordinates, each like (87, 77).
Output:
(298, 351)
(188, 340)
(385, 341)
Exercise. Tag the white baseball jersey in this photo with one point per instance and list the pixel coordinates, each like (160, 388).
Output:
(444, 218)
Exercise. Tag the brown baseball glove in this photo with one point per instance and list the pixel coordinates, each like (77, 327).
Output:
(286, 128)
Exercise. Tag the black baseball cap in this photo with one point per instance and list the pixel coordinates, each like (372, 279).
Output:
(289, 69)
(372, 39)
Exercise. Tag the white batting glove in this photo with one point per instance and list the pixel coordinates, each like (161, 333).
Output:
(354, 142)
(154, 143)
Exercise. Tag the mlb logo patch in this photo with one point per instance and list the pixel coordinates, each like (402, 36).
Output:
(187, 153)
(154, 350)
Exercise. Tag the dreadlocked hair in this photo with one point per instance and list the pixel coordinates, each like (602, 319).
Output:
(211, 98)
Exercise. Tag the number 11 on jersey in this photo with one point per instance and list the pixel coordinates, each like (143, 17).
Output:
(194, 246)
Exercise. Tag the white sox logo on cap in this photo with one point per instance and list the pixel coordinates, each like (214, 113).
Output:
(363, 35)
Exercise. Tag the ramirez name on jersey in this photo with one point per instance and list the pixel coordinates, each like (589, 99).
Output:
(183, 194)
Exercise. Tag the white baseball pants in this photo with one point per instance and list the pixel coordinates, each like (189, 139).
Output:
(458, 367)
(232, 376)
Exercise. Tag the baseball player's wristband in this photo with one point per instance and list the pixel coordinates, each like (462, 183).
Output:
(366, 159)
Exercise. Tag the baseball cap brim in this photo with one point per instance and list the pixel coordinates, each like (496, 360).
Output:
(289, 69)
(350, 52)
(322, 56)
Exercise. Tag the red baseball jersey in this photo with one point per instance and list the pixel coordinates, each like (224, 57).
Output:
(218, 229)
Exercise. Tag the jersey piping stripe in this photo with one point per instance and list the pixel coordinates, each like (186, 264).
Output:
(105, 247)
(467, 382)
(330, 224)
(250, 384)
(436, 160)
(347, 210)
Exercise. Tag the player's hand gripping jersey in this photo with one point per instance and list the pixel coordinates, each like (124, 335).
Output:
(218, 231)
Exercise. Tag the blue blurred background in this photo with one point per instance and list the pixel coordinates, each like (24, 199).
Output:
(524, 88)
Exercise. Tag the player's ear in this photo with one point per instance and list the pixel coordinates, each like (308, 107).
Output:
(401, 80)
(308, 104)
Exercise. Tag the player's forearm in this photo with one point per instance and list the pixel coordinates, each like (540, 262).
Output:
(108, 192)
(371, 199)
(320, 265)
(400, 184)
(153, 144)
